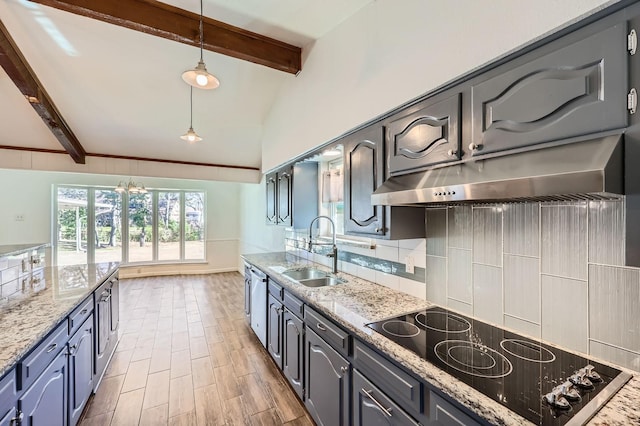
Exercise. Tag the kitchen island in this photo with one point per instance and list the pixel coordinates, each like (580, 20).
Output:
(60, 331)
(358, 302)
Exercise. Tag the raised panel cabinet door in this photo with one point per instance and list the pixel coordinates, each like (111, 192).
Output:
(285, 201)
(293, 352)
(272, 191)
(428, 136)
(102, 332)
(572, 91)
(274, 330)
(45, 402)
(114, 305)
(8, 398)
(364, 172)
(372, 407)
(80, 370)
(326, 383)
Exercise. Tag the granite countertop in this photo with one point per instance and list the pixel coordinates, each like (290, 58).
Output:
(11, 249)
(358, 302)
(38, 309)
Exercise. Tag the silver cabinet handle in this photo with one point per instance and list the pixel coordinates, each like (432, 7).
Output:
(52, 347)
(344, 369)
(82, 312)
(321, 327)
(386, 411)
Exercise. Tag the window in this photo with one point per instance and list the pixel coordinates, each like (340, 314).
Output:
(336, 208)
(159, 226)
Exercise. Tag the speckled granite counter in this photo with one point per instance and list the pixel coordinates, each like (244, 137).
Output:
(28, 317)
(358, 302)
(11, 249)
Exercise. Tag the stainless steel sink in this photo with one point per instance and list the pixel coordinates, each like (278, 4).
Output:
(304, 274)
(321, 282)
(312, 277)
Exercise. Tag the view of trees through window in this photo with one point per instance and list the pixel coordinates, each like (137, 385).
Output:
(161, 226)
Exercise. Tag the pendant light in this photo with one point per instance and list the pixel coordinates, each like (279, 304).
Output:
(191, 136)
(199, 77)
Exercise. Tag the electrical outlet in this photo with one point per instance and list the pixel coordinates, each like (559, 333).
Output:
(409, 264)
(19, 218)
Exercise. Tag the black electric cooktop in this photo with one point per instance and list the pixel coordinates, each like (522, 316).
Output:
(543, 384)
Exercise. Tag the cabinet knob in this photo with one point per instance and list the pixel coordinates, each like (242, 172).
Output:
(452, 152)
(474, 147)
(344, 369)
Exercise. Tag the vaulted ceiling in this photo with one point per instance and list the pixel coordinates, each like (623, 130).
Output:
(120, 92)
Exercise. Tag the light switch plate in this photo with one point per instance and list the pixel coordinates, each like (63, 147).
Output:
(409, 263)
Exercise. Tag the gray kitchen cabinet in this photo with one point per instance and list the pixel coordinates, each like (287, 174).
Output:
(424, 135)
(292, 195)
(285, 196)
(372, 407)
(443, 413)
(559, 93)
(8, 398)
(397, 385)
(293, 351)
(45, 402)
(271, 187)
(80, 369)
(106, 317)
(275, 313)
(364, 159)
(327, 382)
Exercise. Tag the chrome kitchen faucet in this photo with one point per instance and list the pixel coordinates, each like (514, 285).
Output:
(334, 249)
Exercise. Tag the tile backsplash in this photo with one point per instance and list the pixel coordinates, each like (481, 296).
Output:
(552, 271)
(548, 270)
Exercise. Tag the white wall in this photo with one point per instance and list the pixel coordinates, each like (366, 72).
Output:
(30, 193)
(392, 51)
(255, 235)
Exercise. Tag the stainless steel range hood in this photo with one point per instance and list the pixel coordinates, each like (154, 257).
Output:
(592, 169)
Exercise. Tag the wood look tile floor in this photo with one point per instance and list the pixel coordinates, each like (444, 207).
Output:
(187, 356)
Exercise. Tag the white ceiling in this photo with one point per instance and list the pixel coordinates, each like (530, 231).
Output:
(121, 92)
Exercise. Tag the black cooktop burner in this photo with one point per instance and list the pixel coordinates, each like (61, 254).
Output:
(543, 384)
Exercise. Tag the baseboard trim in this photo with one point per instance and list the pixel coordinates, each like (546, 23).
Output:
(124, 273)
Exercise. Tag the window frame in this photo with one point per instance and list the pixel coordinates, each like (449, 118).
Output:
(124, 224)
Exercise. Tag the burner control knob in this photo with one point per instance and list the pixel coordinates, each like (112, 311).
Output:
(556, 399)
(580, 380)
(591, 374)
(569, 391)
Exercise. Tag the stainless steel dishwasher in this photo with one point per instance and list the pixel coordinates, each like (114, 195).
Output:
(259, 304)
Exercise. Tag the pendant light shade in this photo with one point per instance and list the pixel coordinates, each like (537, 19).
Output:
(199, 77)
(191, 136)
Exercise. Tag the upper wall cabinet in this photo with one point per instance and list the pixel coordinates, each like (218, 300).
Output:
(292, 195)
(572, 91)
(364, 172)
(428, 136)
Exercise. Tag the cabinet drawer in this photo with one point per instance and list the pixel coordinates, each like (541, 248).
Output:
(275, 290)
(372, 406)
(35, 363)
(81, 313)
(294, 304)
(8, 393)
(403, 388)
(324, 328)
(442, 412)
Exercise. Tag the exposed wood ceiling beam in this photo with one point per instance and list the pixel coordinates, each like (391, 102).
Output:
(19, 71)
(170, 22)
(126, 157)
